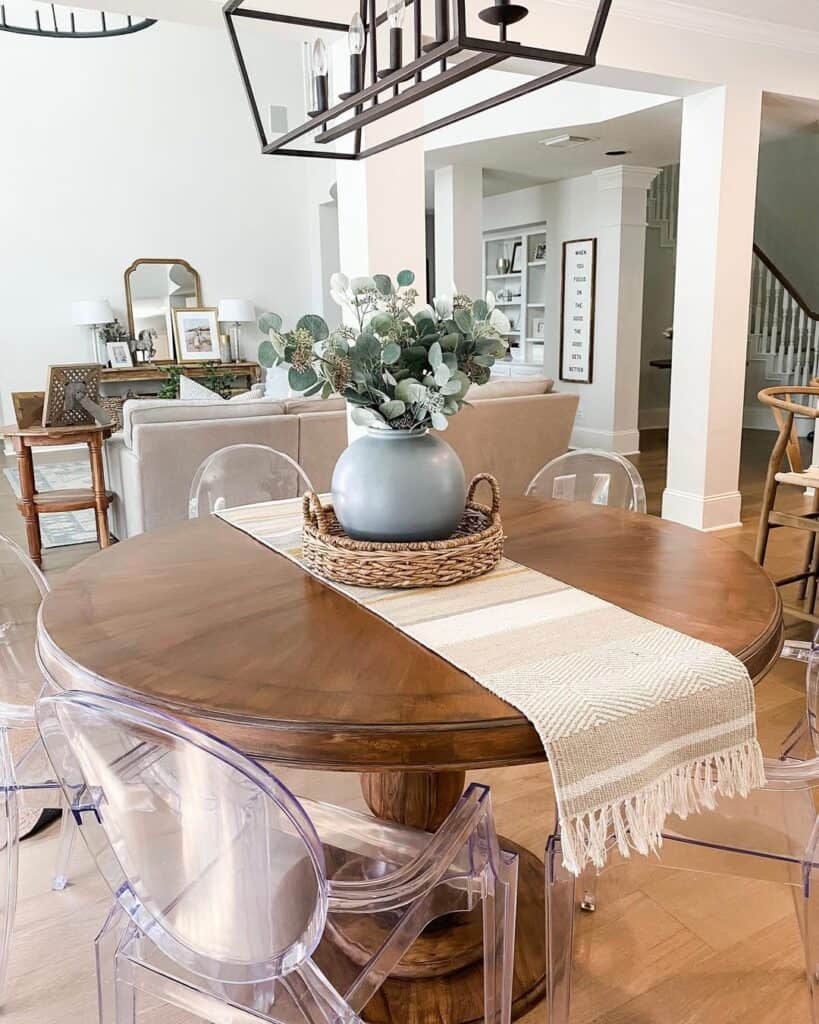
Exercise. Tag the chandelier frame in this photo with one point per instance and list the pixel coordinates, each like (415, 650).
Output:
(367, 105)
(56, 32)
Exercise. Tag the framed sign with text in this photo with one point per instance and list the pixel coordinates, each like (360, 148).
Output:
(577, 310)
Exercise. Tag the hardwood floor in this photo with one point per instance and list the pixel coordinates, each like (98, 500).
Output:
(663, 947)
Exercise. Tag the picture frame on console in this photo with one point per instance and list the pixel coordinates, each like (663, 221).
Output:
(197, 334)
(119, 355)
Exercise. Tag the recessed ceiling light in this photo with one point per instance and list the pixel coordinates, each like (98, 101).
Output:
(617, 152)
(564, 141)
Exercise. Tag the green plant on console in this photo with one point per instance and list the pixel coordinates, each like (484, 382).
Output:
(170, 386)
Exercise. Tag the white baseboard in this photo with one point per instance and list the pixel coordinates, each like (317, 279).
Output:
(714, 512)
(623, 442)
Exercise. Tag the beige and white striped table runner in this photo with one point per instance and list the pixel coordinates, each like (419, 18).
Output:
(638, 721)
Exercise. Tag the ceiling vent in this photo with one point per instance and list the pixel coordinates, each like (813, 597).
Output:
(565, 141)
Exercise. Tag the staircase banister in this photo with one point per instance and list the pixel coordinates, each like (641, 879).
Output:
(785, 282)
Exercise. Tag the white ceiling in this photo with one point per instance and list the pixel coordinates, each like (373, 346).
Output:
(651, 136)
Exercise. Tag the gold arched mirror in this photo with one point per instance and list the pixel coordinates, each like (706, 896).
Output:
(154, 288)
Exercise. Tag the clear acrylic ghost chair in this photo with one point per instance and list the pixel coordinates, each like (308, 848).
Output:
(223, 881)
(594, 477)
(244, 474)
(27, 781)
(773, 835)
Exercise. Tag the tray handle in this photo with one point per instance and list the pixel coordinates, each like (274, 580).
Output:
(314, 512)
(493, 483)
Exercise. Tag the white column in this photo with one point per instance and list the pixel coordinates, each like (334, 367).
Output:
(621, 244)
(382, 209)
(458, 238)
(718, 166)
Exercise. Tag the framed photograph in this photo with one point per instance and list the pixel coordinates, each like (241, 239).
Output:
(197, 335)
(72, 395)
(119, 355)
(538, 327)
(28, 408)
(540, 251)
(577, 310)
(515, 267)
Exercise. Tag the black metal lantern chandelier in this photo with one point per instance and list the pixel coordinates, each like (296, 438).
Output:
(62, 23)
(442, 55)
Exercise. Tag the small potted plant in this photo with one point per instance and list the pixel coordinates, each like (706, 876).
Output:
(403, 371)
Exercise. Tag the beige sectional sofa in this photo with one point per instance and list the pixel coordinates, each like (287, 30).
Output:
(511, 429)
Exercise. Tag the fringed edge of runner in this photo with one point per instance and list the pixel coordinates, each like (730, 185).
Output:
(636, 822)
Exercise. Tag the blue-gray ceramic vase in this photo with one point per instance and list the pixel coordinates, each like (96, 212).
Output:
(399, 485)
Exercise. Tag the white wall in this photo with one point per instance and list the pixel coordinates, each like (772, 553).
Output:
(140, 146)
(787, 209)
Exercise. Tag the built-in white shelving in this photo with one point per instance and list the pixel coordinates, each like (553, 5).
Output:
(520, 290)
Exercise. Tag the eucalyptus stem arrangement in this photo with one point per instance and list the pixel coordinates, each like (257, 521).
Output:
(400, 366)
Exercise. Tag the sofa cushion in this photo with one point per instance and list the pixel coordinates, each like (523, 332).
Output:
(136, 412)
(300, 406)
(510, 389)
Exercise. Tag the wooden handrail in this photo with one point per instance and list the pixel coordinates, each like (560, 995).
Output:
(787, 285)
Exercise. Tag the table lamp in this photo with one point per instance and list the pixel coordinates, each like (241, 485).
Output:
(236, 312)
(93, 313)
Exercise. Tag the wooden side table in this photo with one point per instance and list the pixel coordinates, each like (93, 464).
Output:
(32, 503)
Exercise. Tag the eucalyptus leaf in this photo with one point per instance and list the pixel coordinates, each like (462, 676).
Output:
(499, 322)
(449, 342)
(339, 282)
(464, 381)
(451, 406)
(392, 409)
(381, 323)
(339, 297)
(269, 322)
(364, 417)
(389, 379)
(314, 390)
(362, 284)
(267, 355)
(483, 360)
(435, 356)
(409, 391)
(391, 353)
(442, 374)
(316, 325)
(463, 318)
(451, 387)
(451, 360)
(301, 380)
(279, 343)
(439, 421)
(480, 310)
(405, 278)
(327, 389)
(383, 283)
(490, 300)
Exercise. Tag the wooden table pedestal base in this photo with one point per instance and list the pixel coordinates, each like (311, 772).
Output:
(441, 978)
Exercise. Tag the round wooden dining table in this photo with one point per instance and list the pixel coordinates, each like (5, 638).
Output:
(202, 620)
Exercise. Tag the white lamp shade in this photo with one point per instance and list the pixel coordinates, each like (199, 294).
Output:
(91, 311)
(236, 311)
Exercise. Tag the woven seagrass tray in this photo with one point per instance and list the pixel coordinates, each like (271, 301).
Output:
(474, 548)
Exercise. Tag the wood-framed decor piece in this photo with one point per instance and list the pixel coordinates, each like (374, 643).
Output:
(577, 310)
(514, 266)
(72, 395)
(197, 334)
(119, 355)
(28, 408)
(153, 288)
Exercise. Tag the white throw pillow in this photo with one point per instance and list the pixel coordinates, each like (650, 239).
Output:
(192, 389)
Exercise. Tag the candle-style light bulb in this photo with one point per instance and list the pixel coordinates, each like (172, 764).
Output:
(319, 57)
(319, 62)
(395, 18)
(355, 36)
(395, 13)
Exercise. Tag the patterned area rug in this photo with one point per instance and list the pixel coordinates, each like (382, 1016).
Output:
(59, 529)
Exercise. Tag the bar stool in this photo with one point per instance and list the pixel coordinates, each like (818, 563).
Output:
(789, 403)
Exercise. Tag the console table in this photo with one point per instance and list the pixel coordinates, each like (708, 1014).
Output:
(32, 503)
(155, 374)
